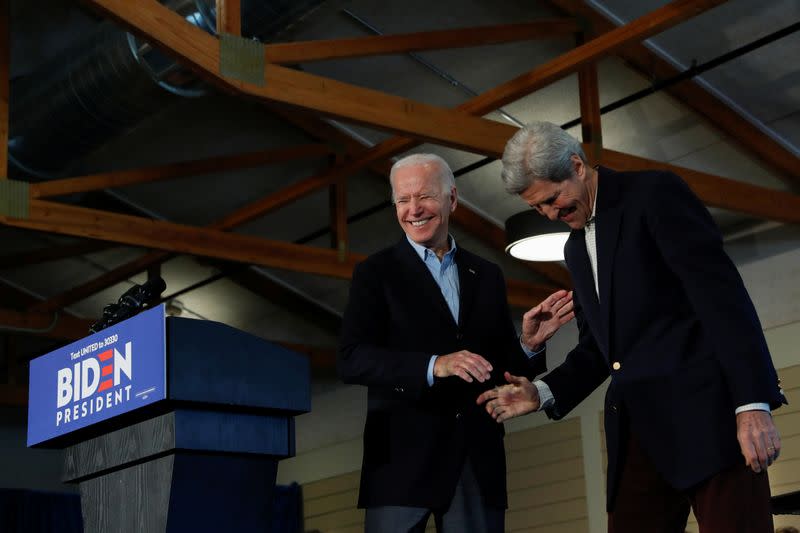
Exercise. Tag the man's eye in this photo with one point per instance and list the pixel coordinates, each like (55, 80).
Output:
(401, 201)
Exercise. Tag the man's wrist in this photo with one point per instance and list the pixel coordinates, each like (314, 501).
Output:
(753, 407)
(530, 352)
(546, 398)
(431, 366)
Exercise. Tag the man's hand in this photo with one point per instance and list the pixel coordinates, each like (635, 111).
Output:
(541, 322)
(464, 364)
(758, 439)
(518, 398)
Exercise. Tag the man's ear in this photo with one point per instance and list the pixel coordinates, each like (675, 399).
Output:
(579, 165)
(453, 199)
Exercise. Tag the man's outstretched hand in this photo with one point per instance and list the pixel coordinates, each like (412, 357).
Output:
(518, 398)
(542, 321)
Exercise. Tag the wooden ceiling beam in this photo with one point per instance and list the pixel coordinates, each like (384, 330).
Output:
(280, 198)
(180, 169)
(54, 325)
(155, 258)
(229, 17)
(308, 51)
(568, 63)
(167, 29)
(179, 238)
(635, 31)
(719, 192)
(56, 253)
(589, 96)
(690, 93)
(325, 131)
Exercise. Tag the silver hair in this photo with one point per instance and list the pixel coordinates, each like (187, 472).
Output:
(445, 174)
(539, 151)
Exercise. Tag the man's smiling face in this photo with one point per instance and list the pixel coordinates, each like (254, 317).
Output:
(568, 201)
(423, 208)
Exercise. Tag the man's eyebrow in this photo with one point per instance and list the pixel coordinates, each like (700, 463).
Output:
(550, 199)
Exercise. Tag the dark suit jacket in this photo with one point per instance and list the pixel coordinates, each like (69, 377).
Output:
(417, 437)
(674, 313)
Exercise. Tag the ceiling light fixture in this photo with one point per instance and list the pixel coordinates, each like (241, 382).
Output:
(533, 237)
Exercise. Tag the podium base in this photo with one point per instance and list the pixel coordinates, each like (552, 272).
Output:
(182, 491)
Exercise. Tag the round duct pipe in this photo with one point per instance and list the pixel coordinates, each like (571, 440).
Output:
(112, 80)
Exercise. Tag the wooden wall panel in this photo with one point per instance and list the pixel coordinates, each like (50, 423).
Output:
(547, 492)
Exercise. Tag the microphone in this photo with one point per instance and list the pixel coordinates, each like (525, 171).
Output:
(130, 303)
(138, 295)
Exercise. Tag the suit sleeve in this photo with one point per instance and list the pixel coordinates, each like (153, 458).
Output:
(583, 370)
(364, 357)
(691, 245)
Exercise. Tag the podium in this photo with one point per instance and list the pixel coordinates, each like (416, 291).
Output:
(170, 424)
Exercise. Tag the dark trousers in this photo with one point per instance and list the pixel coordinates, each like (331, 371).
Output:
(466, 513)
(735, 500)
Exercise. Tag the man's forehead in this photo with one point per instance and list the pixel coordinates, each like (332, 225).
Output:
(539, 191)
(414, 178)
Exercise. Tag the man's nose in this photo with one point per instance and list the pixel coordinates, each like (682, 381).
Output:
(550, 212)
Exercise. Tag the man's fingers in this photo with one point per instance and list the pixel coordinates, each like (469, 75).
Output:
(477, 360)
(476, 370)
(556, 296)
(515, 380)
(758, 438)
(750, 455)
(568, 307)
(532, 313)
(465, 365)
(486, 396)
(463, 374)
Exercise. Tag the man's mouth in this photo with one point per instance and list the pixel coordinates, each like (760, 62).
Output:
(419, 223)
(564, 213)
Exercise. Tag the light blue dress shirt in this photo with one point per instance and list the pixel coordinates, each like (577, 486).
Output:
(445, 274)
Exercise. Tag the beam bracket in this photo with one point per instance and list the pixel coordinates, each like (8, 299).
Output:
(241, 59)
(14, 199)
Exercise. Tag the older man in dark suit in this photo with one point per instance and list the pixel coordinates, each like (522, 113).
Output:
(427, 328)
(663, 311)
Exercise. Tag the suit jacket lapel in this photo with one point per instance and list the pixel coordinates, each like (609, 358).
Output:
(468, 275)
(418, 275)
(608, 218)
(581, 270)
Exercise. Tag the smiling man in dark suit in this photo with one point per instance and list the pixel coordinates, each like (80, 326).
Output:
(663, 311)
(426, 329)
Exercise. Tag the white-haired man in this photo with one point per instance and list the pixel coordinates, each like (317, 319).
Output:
(662, 310)
(427, 329)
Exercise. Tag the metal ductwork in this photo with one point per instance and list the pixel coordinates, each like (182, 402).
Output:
(109, 82)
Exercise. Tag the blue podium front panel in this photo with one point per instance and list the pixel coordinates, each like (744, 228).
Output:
(117, 370)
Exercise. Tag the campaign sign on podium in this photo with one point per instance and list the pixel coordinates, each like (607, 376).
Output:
(108, 373)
